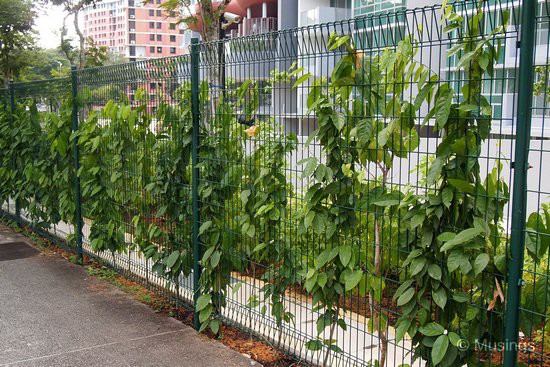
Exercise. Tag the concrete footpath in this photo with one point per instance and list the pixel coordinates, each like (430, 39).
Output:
(53, 314)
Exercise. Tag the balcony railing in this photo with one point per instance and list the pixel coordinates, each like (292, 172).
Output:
(253, 26)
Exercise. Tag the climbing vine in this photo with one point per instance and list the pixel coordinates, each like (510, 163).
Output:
(451, 272)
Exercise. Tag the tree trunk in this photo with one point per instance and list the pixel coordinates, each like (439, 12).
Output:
(81, 39)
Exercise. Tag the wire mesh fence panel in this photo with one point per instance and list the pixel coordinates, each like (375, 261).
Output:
(354, 185)
(534, 316)
(351, 198)
(135, 147)
(38, 151)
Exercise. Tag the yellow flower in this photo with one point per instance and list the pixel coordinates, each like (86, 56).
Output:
(252, 131)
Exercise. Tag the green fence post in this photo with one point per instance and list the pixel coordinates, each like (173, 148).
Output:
(78, 202)
(195, 55)
(520, 166)
(14, 163)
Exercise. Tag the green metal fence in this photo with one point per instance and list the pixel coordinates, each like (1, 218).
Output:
(366, 192)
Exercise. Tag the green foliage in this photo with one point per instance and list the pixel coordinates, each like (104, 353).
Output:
(16, 36)
(170, 187)
(44, 64)
(445, 241)
(221, 138)
(455, 223)
(355, 134)
(265, 200)
(37, 166)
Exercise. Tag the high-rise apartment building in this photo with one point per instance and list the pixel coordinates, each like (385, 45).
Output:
(135, 30)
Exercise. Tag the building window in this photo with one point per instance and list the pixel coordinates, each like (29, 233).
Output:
(152, 49)
(159, 50)
(172, 25)
(151, 24)
(159, 25)
(151, 13)
(159, 13)
(132, 37)
(153, 85)
(159, 1)
(172, 38)
(132, 50)
(159, 37)
(151, 37)
(172, 50)
(131, 3)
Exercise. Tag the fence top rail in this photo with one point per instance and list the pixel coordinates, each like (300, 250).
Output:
(161, 68)
(42, 88)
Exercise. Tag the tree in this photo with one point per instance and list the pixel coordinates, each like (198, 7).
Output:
(207, 15)
(16, 36)
(73, 8)
(95, 55)
(43, 64)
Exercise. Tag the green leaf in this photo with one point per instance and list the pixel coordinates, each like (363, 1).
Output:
(345, 254)
(447, 196)
(353, 279)
(244, 196)
(204, 227)
(301, 79)
(171, 260)
(215, 259)
(440, 297)
(461, 297)
(443, 105)
(402, 328)
(431, 329)
(454, 260)
(215, 326)
(434, 271)
(402, 288)
(203, 301)
(417, 265)
(439, 349)
(463, 186)
(323, 258)
(406, 297)
(481, 263)
(322, 279)
(205, 313)
(454, 338)
(434, 173)
(446, 236)
(311, 165)
(314, 345)
(462, 237)
(309, 219)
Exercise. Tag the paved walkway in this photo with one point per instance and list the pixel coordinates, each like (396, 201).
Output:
(53, 314)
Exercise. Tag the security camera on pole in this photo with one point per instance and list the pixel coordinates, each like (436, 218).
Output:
(226, 20)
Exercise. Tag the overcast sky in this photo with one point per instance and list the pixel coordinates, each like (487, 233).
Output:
(48, 23)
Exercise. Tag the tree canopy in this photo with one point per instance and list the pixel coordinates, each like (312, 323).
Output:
(207, 12)
(16, 36)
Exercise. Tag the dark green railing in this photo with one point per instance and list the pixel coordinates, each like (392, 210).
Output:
(363, 192)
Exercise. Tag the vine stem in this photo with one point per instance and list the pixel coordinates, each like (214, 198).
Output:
(332, 330)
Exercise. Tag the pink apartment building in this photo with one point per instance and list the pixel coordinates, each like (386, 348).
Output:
(132, 29)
